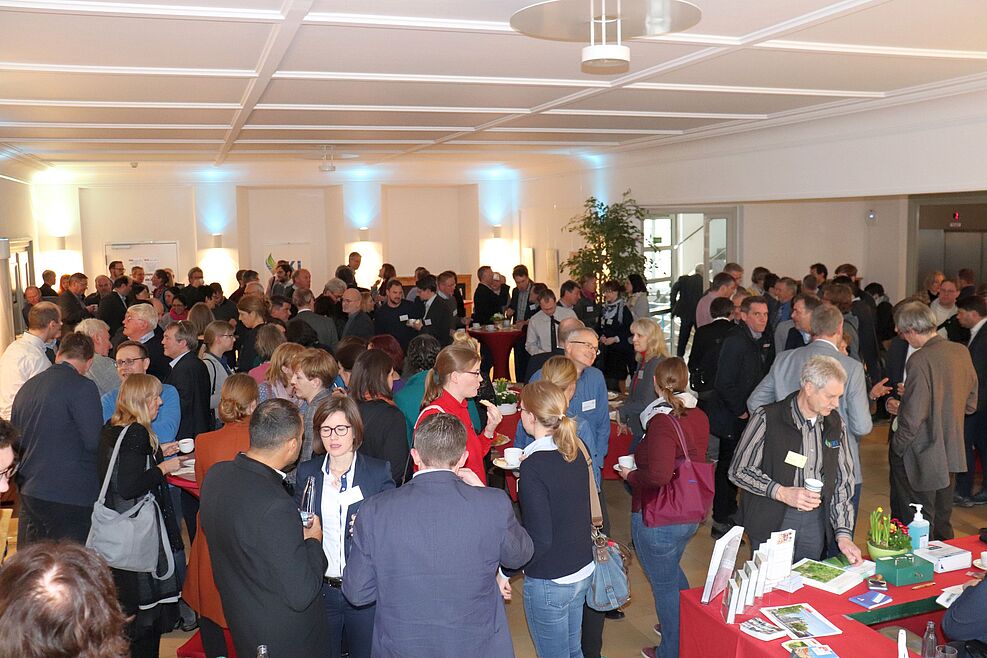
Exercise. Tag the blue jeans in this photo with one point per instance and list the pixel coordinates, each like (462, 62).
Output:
(659, 550)
(555, 616)
(355, 624)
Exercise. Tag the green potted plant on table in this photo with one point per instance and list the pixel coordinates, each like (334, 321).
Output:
(505, 396)
(888, 537)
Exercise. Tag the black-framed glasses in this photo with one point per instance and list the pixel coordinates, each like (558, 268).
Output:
(9, 472)
(475, 373)
(589, 345)
(339, 430)
(126, 363)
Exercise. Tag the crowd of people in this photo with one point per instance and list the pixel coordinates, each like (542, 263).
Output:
(374, 409)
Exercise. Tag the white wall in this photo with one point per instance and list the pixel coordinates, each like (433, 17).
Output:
(425, 226)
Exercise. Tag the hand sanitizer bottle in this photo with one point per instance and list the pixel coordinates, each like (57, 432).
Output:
(918, 529)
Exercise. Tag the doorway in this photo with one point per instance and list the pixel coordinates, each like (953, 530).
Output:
(21, 265)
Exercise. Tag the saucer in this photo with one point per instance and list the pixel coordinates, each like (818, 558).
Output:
(616, 467)
(500, 462)
(979, 564)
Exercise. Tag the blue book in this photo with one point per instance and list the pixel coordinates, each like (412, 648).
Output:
(871, 599)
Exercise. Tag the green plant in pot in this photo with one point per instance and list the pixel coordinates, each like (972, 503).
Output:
(505, 397)
(888, 537)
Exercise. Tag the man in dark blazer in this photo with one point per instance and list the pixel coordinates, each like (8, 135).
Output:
(436, 314)
(267, 566)
(324, 328)
(686, 293)
(113, 308)
(972, 315)
(428, 554)
(70, 303)
(60, 419)
(485, 300)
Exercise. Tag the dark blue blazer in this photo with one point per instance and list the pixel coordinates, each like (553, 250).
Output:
(371, 475)
(427, 553)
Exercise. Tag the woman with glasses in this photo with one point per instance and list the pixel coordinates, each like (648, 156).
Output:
(238, 399)
(650, 350)
(343, 480)
(383, 423)
(553, 493)
(448, 386)
(140, 468)
(219, 338)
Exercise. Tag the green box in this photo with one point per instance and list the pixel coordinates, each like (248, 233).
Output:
(904, 569)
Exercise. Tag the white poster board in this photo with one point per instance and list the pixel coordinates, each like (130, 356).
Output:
(149, 255)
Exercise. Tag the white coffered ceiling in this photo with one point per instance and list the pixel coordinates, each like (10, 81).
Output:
(230, 80)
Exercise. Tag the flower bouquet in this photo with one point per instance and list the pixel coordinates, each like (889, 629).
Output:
(505, 397)
(888, 537)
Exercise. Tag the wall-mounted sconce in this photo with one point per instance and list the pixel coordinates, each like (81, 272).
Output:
(496, 231)
(364, 233)
(871, 217)
(217, 240)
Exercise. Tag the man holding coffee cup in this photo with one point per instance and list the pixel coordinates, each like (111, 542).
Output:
(794, 467)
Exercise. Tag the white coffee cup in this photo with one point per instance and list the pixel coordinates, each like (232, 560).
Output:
(813, 485)
(186, 445)
(513, 456)
(983, 558)
(627, 461)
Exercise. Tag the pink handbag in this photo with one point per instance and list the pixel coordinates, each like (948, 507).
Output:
(688, 497)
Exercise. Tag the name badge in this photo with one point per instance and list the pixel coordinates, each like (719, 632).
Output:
(589, 405)
(532, 306)
(403, 318)
(350, 496)
(795, 459)
(589, 309)
(428, 323)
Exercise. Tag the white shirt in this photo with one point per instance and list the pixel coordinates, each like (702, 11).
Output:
(942, 314)
(333, 517)
(539, 338)
(177, 359)
(23, 359)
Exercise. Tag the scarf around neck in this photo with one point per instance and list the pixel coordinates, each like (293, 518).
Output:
(659, 406)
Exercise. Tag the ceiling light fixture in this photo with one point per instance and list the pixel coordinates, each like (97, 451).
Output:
(327, 166)
(568, 20)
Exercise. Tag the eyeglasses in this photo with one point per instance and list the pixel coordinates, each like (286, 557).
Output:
(126, 363)
(475, 373)
(229, 335)
(591, 346)
(9, 473)
(339, 430)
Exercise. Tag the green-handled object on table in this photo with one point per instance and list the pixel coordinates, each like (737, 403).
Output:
(904, 569)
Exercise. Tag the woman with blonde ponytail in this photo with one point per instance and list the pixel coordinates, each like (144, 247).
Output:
(554, 492)
(452, 381)
(140, 468)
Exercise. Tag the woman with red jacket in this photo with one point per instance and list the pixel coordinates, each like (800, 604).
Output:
(660, 548)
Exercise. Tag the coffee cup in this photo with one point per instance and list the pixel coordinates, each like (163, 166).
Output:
(513, 456)
(186, 445)
(813, 485)
(983, 558)
(627, 461)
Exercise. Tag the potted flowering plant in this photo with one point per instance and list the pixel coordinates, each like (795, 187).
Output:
(505, 397)
(888, 537)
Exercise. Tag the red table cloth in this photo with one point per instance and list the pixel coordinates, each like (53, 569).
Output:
(184, 483)
(704, 633)
(500, 343)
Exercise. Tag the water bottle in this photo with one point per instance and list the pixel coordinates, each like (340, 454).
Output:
(307, 508)
(929, 641)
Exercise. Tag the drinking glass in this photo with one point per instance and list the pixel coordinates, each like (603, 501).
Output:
(946, 651)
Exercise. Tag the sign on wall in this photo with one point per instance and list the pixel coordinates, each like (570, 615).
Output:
(298, 254)
(149, 255)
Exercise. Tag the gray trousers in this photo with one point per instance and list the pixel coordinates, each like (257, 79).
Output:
(810, 533)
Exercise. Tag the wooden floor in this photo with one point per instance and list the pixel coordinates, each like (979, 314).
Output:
(624, 638)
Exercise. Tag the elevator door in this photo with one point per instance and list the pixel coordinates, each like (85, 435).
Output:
(950, 251)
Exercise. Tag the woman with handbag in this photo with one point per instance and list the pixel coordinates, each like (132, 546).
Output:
(238, 399)
(553, 492)
(663, 516)
(138, 469)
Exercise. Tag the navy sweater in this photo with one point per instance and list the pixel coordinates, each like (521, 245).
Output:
(554, 498)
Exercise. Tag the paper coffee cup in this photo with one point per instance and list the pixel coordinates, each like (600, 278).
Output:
(627, 461)
(513, 456)
(813, 485)
(186, 445)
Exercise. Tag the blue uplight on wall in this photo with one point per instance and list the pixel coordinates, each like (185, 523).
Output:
(361, 202)
(599, 175)
(214, 207)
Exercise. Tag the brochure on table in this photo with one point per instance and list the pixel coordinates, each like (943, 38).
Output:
(722, 563)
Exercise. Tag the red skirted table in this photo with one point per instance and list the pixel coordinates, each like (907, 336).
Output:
(187, 484)
(500, 342)
(704, 633)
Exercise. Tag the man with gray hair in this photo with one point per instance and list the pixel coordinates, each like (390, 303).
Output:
(103, 370)
(789, 446)
(927, 449)
(436, 534)
(330, 303)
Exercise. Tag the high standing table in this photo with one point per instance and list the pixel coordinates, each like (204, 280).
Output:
(500, 342)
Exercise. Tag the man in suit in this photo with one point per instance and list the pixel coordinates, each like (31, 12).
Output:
(854, 406)
(392, 316)
(927, 448)
(436, 314)
(449, 291)
(705, 352)
(428, 554)
(485, 300)
(686, 293)
(140, 324)
(48, 280)
(113, 307)
(543, 327)
(330, 303)
(972, 315)
(358, 322)
(796, 332)
(104, 285)
(324, 328)
(588, 307)
(267, 566)
(58, 414)
(70, 303)
(521, 307)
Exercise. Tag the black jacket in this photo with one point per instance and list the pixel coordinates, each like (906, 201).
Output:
(742, 365)
(978, 352)
(112, 310)
(160, 364)
(529, 309)
(485, 304)
(191, 378)
(686, 293)
(438, 320)
(705, 354)
(360, 324)
(385, 436)
(870, 351)
(394, 321)
(270, 577)
(73, 312)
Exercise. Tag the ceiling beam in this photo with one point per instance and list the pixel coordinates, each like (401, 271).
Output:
(277, 45)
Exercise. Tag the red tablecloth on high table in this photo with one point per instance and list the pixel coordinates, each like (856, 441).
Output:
(500, 343)
(704, 633)
(183, 483)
